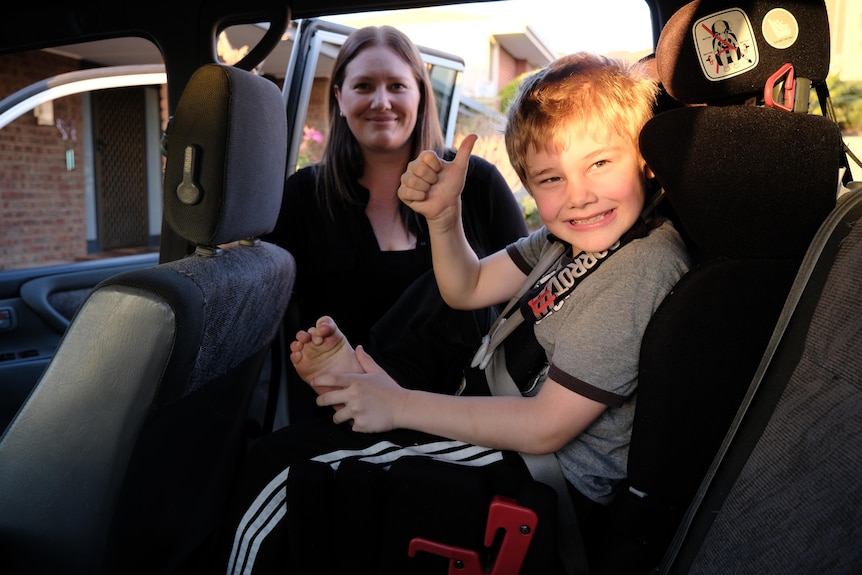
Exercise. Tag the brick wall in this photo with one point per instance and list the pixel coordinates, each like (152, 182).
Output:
(511, 68)
(507, 66)
(37, 192)
(317, 118)
(318, 106)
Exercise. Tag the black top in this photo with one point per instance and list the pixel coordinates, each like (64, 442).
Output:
(341, 271)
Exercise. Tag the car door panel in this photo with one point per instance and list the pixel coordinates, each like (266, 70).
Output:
(36, 307)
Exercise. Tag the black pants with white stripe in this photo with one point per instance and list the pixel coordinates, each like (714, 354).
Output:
(320, 498)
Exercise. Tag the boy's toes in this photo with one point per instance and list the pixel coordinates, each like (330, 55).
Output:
(303, 336)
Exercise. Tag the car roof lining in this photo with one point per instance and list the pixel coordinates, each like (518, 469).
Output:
(94, 21)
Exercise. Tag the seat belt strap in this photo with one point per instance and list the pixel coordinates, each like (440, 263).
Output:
(536, 306)
(506, 322)
(545, 468)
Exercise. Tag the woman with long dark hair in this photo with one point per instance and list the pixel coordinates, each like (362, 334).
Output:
(362, 256)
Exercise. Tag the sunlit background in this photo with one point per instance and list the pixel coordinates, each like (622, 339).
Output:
(607, 26)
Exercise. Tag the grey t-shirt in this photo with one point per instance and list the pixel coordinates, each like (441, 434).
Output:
(592, 343)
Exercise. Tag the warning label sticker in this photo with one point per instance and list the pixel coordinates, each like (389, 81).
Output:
(725, 44)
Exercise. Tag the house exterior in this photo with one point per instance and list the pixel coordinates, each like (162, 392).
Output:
(845, 17)
(495, 51)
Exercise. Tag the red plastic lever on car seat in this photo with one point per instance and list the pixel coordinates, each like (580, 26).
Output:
(788, 100)
(461, 561)
(518, 523)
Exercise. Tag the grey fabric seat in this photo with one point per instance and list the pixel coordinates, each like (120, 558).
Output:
(122, 458)
(784, 494)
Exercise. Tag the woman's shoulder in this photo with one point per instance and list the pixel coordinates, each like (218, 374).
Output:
(481, 166)
(478, 165)
(302, 182)
(484, 180)
(302, 195)
(301, 204)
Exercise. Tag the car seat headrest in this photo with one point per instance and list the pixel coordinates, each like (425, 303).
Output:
(226, 157)
(745, 181)
(715, 51)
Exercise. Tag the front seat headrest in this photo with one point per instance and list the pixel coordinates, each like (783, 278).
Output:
(226, 157)
(715, 51)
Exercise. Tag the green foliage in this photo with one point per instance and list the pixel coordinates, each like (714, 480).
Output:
(846, 96)
(847, 101)
(507, 92)
(531, 212)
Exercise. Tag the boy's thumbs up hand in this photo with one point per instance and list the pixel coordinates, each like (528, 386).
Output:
(462, 158)
(432, 186)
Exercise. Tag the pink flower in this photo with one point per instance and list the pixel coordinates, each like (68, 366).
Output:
(309, 133)
(311, 147)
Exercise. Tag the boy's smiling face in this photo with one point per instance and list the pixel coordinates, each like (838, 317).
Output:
(590, 192)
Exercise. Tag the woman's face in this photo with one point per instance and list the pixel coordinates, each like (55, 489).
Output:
(379, 98)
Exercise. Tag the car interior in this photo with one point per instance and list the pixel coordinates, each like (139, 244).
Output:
(746, 451)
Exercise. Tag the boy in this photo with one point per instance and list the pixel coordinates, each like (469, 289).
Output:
(572, 136)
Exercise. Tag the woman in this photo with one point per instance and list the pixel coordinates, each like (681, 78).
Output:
(357, 247)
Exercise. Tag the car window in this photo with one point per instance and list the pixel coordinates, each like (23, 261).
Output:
(80, 185)
(72, 137)
(80, 149)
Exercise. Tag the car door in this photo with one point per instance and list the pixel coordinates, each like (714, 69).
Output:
(81, 185)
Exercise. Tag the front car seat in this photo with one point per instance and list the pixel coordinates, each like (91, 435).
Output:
(123, 455)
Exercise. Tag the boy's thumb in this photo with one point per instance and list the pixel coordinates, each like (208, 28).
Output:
(462, 158)
(368, 364)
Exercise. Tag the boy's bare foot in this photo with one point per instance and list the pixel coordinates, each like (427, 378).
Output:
(322, 349)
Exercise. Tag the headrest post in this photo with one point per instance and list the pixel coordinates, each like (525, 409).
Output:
(208, 251)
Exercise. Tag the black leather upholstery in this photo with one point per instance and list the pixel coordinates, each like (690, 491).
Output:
(122, 457)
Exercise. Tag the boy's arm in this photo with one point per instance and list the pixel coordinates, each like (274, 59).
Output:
(432, 187)
(540, 424)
